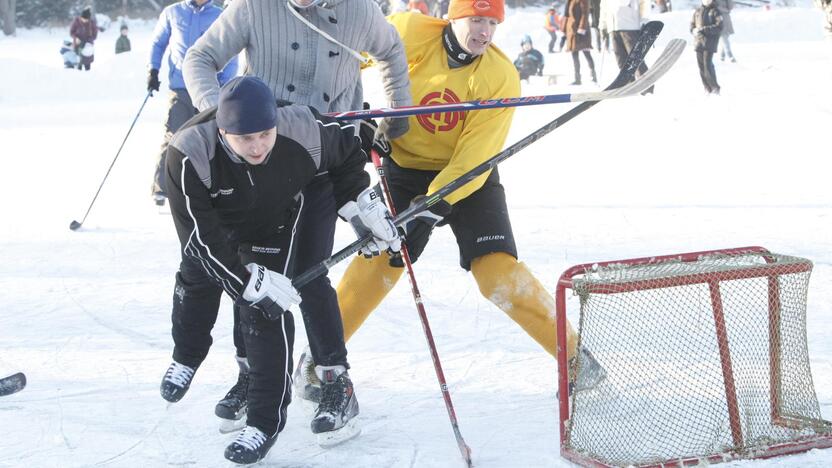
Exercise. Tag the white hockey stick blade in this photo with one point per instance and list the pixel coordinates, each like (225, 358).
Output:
(669, 56)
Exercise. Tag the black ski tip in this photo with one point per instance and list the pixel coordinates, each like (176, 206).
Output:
(653, 27)
(74, 225)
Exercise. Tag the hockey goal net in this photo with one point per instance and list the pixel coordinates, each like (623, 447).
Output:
(705, 355)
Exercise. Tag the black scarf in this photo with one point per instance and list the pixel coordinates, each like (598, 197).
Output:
(455, 51)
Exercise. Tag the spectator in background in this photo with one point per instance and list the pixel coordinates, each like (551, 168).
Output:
(418, 5)
(84, 31)
(706, 27)
(530, 60)
(578, 38)
(595, 11)
(123, 42)
(553, 25)
(725, 7)
(179, 26)
(440, 8)
(622, 20)
(71, 59)
(663, 5)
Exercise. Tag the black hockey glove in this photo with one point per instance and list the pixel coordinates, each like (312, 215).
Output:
(268, 291)
(417, 231)
(372, 139)
(153, 80)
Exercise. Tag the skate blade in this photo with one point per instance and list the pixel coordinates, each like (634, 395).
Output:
(232, 425)
(333, 438)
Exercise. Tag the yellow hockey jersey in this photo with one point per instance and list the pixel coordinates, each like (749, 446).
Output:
(451, 142)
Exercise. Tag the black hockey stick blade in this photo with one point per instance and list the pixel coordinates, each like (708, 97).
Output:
(649, 33)
(74, 225)
(12, 384)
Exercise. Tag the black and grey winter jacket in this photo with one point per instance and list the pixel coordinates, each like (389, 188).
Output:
(218, 200)
(708, 20)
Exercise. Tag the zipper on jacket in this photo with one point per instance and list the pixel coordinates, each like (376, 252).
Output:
(248, 173)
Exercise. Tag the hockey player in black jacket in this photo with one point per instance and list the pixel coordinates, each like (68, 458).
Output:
(235, 176)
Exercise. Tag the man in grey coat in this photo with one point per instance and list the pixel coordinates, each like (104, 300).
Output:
(308, 52)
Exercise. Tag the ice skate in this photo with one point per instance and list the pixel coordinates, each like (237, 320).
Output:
(334, 421)
(306, 384)
(176, 381)
(233, 407)
(250, 446)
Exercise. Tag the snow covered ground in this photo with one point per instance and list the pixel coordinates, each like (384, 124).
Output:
(86, 314)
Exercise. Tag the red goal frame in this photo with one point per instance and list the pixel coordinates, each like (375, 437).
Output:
(770, 271)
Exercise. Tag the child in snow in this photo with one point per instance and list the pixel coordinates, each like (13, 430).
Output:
(530, 60)
(84, 31)
(706, 27)
(123, 42)
(71, 59)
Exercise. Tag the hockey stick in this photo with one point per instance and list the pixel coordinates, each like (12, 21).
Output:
(464, 449)
(649, 33)
(628, 89)
(12, 384)
(75, 225)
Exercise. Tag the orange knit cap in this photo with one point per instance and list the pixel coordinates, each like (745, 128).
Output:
(464, 8)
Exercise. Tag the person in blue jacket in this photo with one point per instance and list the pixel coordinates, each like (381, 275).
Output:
(179, 26)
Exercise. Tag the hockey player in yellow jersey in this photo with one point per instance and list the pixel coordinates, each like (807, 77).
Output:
(451, 61)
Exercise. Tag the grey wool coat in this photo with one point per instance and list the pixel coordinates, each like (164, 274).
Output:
(297, 62)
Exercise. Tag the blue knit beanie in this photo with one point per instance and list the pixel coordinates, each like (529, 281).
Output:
(246, 105)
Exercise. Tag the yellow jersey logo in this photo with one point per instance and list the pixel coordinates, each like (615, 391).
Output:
(440, 121)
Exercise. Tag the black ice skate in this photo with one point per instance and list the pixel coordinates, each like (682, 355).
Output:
(233, 408)
(306, 383)
(250, 446)
(333, 422)
(176, 381)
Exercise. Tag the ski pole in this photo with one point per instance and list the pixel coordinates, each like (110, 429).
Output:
(649, 33)
(464, 449)
(75, 225)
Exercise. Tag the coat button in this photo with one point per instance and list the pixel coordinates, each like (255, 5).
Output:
(334, 54)
(295, 46)
(333, 20)
(291, 88)
(326, 97)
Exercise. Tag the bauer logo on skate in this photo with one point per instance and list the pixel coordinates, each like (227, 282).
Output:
(440, 121)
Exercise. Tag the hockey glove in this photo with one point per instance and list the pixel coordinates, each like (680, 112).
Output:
(417, 231)
(391, 128)
(368, 214)
(373, 139)
(153, 80)
(269, 291)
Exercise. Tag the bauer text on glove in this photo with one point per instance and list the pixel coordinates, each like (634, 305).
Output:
(368, 214)
(269, 291)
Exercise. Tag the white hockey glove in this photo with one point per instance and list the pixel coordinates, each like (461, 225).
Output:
(269, 291)
(368, 214)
